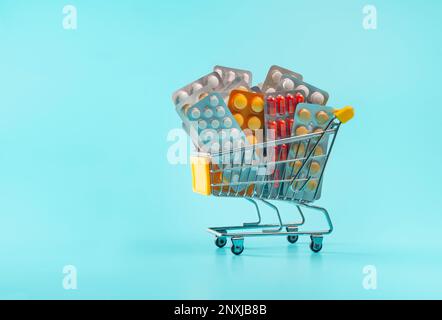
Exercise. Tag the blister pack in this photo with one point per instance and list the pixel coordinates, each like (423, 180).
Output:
(311, 93)
(196, 90)
(273, 78)
(279, 113)
(309, 118)
(248, 110)
(211, 124)
(232, 75)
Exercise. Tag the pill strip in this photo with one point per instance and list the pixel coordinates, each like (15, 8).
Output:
(248, 110)
(197, 90)
(312, 94)
(230, 75)
(309, 118)
(273, 78)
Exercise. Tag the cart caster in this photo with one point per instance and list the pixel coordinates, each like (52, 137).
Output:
(220, 242)
(292, 238)
(316, 244)
(237, 246)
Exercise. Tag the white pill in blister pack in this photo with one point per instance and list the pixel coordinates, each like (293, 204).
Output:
(197, 90)
(311, 93)
(229, 75)
(213, 122)
(274, 76)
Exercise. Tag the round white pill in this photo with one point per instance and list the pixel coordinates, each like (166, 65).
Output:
(304, 89)
(215, 124)
(227, 122)
(288, 84)
(208, 113)
(212, 81)
(270, 90)
(182, 95)
(317, 98)
(231, 76)
(202, 124)
(214, 101)
(196, 87)
(276, 76)
(195, 113)
(246, 77)
(220, 111)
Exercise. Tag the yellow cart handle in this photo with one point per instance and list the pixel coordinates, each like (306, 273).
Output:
(345, 114)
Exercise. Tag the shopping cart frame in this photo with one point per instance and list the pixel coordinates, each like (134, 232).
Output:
(291, 230)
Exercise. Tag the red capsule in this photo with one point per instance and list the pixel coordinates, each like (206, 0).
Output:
(299, 99)
(289, 124)
(290, 101)
(282, 129)
(271, 106)
(280, 104)
(283, 152)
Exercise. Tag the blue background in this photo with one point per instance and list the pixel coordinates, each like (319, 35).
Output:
(84, 177)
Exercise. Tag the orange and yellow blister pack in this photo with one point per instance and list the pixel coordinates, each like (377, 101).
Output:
(248, 110)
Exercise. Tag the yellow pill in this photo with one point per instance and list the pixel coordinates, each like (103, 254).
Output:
(258, 104)
(240, 101)
(322, 117)
(301, 130)
(251, 139)
(239, 118)
(304, 115)
(296, 164)
(299, 149)
(312, 185)
(319, 151)
(315, 167)
(254, 123)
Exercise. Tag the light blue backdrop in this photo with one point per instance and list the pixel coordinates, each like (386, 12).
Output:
(84, 178)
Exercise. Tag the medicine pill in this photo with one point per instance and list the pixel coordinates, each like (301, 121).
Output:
(248, 110)
(239, 118)
(254, 123)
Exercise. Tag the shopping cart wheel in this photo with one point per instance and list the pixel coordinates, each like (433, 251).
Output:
(220, 241)
(316, 244)
(292, 239)
(237, 246)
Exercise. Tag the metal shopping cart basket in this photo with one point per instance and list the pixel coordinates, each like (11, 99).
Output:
(291, 178)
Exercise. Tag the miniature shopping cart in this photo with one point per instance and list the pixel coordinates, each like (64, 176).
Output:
(290, 179)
